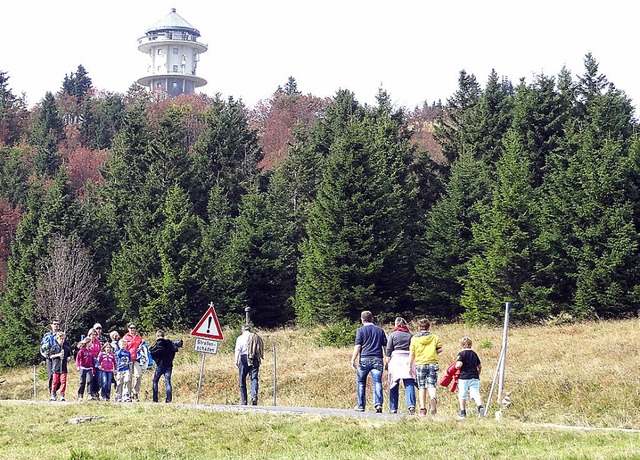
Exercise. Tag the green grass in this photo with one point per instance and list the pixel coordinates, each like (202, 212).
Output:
(145, 431)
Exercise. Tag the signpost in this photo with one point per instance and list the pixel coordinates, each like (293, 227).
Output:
(208, 334)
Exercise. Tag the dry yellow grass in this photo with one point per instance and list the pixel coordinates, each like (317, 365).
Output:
(579, 374)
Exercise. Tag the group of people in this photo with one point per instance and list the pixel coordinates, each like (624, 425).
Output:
(104, 362)
(412, 359)
(107, 362)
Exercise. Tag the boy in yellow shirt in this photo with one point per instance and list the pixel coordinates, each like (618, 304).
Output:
(423, 353)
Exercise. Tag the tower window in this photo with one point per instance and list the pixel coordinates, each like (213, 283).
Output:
(175, 68)
(175, 84)
(159, 51)
(175, 51)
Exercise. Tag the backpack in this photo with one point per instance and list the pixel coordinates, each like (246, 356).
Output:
(46, 344)
(144, 357)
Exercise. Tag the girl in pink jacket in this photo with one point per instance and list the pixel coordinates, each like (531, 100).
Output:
(84, 363)
(107, 365)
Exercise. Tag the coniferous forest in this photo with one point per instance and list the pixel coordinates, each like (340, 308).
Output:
(137, 207)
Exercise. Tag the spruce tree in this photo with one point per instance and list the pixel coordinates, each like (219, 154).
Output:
(226, 155)
(448, 242)
(355, 254)
(13, 114)
(46, 133)
(264, 260)
(50, 211)
(173, 299)
(222, 280)
(505, 267)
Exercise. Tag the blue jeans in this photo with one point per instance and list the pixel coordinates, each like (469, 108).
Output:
(159, 372)
(85, 380)
(105, 383)
(252, 371)
(409, 393)
(366, 366)
(96, 380)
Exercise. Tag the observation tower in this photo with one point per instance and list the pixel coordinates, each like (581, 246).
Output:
(173, 51)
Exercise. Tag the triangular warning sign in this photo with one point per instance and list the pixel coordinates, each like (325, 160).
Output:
(208, 327)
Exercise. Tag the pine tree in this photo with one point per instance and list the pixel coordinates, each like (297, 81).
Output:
(448, 243)
(589, 209)
(47, 132)
(14, 174)
(354, 257)
(77, 84)
(172, 299)
(225, 155)
(505, 267)
(264, 260)
(540, 116)
(50, 212)
(222, 280)
(450, 131)
(13, 114)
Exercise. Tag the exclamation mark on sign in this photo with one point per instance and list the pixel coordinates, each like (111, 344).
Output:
(209, 325)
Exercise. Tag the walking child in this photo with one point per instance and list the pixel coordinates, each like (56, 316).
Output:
(123, 374)
(84, 364)
(59, 356)
(107, 365)
(469, 382)
(423, 353)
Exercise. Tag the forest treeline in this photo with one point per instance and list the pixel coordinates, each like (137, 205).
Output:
(118, 207)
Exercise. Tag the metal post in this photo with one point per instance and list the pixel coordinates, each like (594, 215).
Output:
(246, 315)
(200, 380)
(504, 350)
(275, 378)
(494, 381)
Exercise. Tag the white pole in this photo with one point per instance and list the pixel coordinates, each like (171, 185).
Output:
(494, 381)
(504, 350)
(200, 379)
(275, 378)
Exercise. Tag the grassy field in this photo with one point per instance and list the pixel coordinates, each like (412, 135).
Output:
(583, 374)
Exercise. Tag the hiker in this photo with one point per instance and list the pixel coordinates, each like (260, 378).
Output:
(397, 365)
(123, 375)
(134, 340)
(48, 341)
(366, 359)
(95, 347)
(423, 354)
(59, 356)
(470, 367)
(101, 337)
(106, 365)
(163, 351)
(115, 340)
(249, 351)
(84, 363)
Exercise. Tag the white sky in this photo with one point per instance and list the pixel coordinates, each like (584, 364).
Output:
(414, 49)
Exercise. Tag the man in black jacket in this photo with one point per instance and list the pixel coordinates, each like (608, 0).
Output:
(162, 351)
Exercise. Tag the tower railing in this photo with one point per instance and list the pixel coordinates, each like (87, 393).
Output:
(168, 36)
